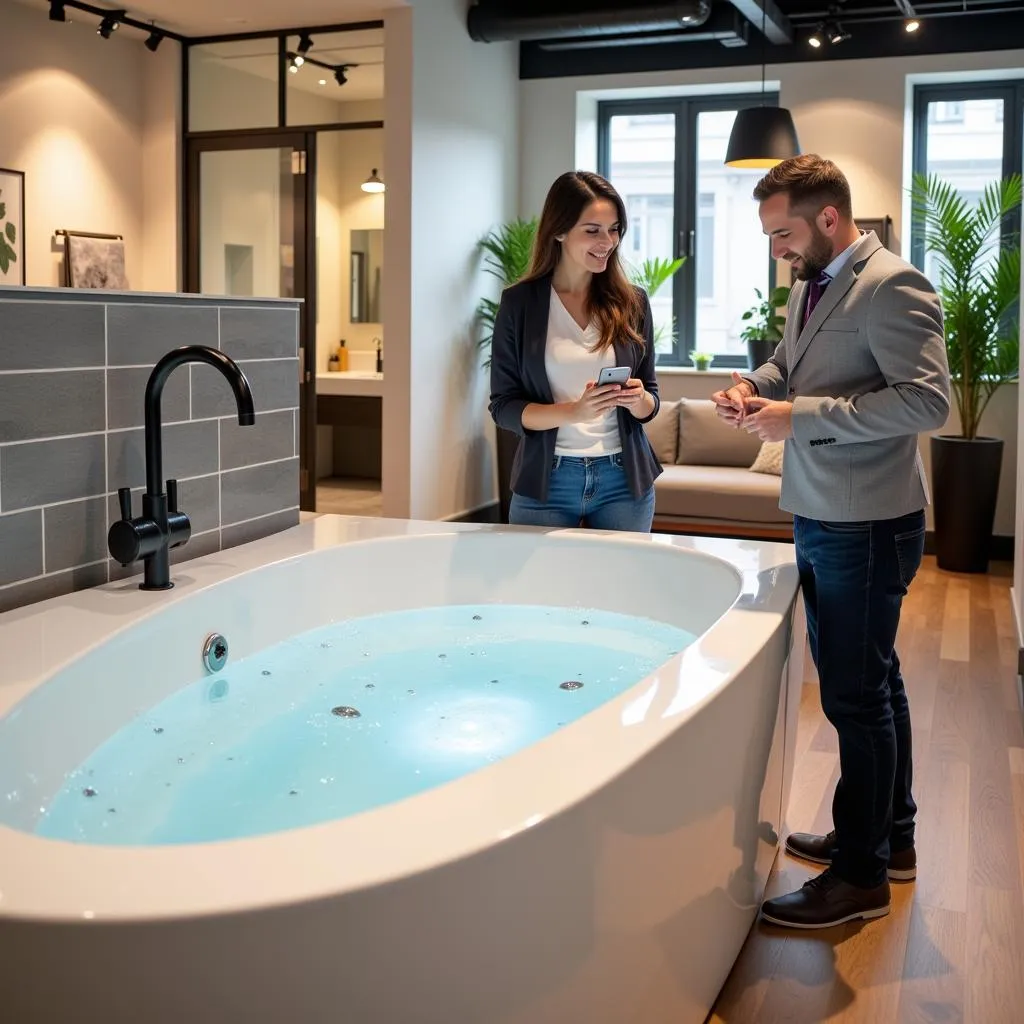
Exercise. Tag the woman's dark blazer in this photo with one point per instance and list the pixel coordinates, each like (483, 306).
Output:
(519, 377)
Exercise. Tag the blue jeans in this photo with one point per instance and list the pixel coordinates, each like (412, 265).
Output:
(854, 578)
(590, 492)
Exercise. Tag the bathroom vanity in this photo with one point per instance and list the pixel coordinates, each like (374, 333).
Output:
(350, 402)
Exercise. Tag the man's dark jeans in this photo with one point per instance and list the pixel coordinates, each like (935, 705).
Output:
(854, 577)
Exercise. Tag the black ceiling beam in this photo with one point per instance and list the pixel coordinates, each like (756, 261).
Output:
(991, 32)
(724, 26)
(777, 27)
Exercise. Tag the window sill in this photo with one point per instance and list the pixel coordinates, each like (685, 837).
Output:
(720, 371)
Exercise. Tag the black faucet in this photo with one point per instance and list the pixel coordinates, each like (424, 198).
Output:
(163, 526)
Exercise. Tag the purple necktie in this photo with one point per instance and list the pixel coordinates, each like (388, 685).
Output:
(815, 290)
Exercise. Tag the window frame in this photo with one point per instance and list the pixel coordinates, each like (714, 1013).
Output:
(1011, 92)
(685, 110)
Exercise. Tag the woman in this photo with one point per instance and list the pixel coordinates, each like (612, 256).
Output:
(583, 457)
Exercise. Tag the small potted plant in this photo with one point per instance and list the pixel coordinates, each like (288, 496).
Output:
(701, 360)
(764, 325)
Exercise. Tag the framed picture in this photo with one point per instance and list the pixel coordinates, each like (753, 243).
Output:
(12, 226)
(94, 261)
(882, 226)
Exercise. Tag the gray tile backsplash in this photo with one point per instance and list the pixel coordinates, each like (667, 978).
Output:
(73, 372)
(51, 404)
(52, 336)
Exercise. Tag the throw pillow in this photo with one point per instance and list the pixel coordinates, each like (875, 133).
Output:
(769, 458)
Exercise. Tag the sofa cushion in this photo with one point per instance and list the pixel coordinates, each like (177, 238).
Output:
(663, 432)
(707, 440)
(721, 493)
(769, 458)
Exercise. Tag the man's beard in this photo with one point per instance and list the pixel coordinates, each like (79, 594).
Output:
(817, 257)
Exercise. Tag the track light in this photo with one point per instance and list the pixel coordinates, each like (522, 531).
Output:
(110, 24)
(837, 35)
(155, 39)
(912, 25)
(340, 75)
(57, 12)
(815, 39)
(305, 43)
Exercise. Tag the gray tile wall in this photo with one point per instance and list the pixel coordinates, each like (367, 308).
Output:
(73, 371)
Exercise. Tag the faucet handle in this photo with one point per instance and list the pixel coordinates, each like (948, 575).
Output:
(124, 499)
(172, 496)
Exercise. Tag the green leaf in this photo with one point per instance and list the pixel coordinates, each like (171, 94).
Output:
(5, 262)
(12, 234)
(979, 271)
(3, 210)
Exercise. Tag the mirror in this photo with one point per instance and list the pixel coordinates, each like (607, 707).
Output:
(367, 257)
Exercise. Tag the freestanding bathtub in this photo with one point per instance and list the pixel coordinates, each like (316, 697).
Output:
(607, 873)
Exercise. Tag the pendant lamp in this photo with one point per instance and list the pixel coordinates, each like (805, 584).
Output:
(762, 136)
(373, 183)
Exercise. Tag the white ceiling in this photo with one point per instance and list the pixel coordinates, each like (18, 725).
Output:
(225, 17)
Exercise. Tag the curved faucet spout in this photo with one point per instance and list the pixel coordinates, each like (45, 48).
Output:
(154, 391)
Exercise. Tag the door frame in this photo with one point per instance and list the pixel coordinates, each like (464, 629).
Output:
(303, 146)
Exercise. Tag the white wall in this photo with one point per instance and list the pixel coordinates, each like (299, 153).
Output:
(854, 112)
(451, 149)
(92, 124)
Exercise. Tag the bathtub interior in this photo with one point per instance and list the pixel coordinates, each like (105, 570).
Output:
(62, 721)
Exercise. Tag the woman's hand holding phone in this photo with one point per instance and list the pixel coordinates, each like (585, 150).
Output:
(595, 401)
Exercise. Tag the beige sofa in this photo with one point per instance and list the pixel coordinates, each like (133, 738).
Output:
(708, 485)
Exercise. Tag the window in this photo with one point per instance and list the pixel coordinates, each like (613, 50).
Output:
(969, 135)
(666, 158)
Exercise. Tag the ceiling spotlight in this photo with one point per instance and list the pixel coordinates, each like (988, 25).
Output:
(109, 25)
(837, 35)
(57, 12)
(815, 39)
(340, 76)
(294, 62)
(305, 43)
(323, 81)
(154, 40)
(913, 25)
(373, 183)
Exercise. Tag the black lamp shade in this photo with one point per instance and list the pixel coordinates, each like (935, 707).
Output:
(762, 137)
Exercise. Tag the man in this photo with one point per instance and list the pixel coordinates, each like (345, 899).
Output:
(861, 370)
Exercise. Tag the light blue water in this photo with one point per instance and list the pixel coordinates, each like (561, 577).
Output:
(440, 692)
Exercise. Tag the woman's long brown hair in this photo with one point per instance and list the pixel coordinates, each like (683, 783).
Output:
(613, 301)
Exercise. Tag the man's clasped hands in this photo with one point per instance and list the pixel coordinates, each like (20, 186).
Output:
(740, 406)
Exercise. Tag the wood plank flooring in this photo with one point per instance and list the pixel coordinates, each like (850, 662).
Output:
(952, 949)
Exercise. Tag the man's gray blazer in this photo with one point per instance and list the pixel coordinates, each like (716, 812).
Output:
(866, 374)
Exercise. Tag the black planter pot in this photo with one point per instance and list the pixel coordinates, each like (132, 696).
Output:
(507, 445)
(760, 351)
(965, 479)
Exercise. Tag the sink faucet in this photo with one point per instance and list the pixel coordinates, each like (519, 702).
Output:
(162, 525)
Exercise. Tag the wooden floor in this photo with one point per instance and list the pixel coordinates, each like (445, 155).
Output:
(347, 497)
(952, 949)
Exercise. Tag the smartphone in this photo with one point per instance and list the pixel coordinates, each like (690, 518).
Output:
(614, 375)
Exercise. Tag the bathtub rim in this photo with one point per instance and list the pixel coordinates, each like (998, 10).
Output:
(184, 881)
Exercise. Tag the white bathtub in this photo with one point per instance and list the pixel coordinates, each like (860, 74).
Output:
(606, 874)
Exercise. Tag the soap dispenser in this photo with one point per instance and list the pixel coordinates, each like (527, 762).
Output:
(380, 356)
(342, 356)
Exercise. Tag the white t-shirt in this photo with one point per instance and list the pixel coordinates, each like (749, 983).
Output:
(570, 363)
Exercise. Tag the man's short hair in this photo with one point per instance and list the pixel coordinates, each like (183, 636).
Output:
(811, 182)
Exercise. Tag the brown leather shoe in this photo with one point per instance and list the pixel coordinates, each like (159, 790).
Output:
(826, 901)
(821, 849)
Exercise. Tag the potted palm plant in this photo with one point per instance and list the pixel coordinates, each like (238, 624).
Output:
(979, 284)
(507, 251)
(765, 325)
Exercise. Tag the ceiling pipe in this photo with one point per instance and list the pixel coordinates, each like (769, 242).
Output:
(492, 23)
(724, 26)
